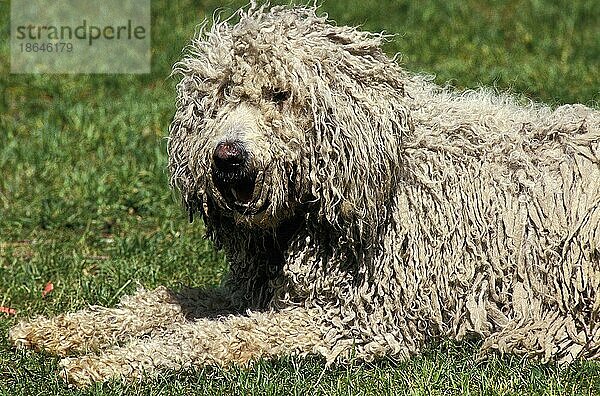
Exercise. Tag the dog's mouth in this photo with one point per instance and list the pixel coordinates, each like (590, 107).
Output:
(239, 190)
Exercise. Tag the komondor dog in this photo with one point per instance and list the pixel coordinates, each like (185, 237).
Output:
(363, 211)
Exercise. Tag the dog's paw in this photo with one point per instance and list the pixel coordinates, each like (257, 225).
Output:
(62, 335)
(45, 334)
(21, 335)
(85, 370)
(82, 371)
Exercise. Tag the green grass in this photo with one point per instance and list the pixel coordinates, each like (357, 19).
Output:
(84, 201)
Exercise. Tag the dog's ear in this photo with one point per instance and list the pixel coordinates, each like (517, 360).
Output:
(180, 175)
(183, 143)
(360, 119)
(355, 151)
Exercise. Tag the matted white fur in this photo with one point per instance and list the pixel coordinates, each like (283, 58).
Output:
(385, 211)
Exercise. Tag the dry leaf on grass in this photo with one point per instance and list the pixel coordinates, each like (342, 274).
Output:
(7, 310)
(47, 289)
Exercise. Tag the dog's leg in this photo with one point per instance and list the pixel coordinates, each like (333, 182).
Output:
(223, 341)
(97, 327)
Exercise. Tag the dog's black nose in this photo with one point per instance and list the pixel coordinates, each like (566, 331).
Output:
(230, 156)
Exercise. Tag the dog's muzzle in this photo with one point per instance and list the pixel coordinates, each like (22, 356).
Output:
(233, 174)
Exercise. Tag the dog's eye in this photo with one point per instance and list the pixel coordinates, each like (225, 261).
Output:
(226, 90)
(280, 96)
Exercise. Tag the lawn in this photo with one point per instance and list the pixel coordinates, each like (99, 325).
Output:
(85, 203)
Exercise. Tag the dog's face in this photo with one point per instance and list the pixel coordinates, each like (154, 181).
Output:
(282, 110)
(246, 128)
(251, 150)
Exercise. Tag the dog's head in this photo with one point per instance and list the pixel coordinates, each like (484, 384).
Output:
(284, 112)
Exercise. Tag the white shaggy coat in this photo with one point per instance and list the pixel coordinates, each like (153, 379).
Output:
(382, 211)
